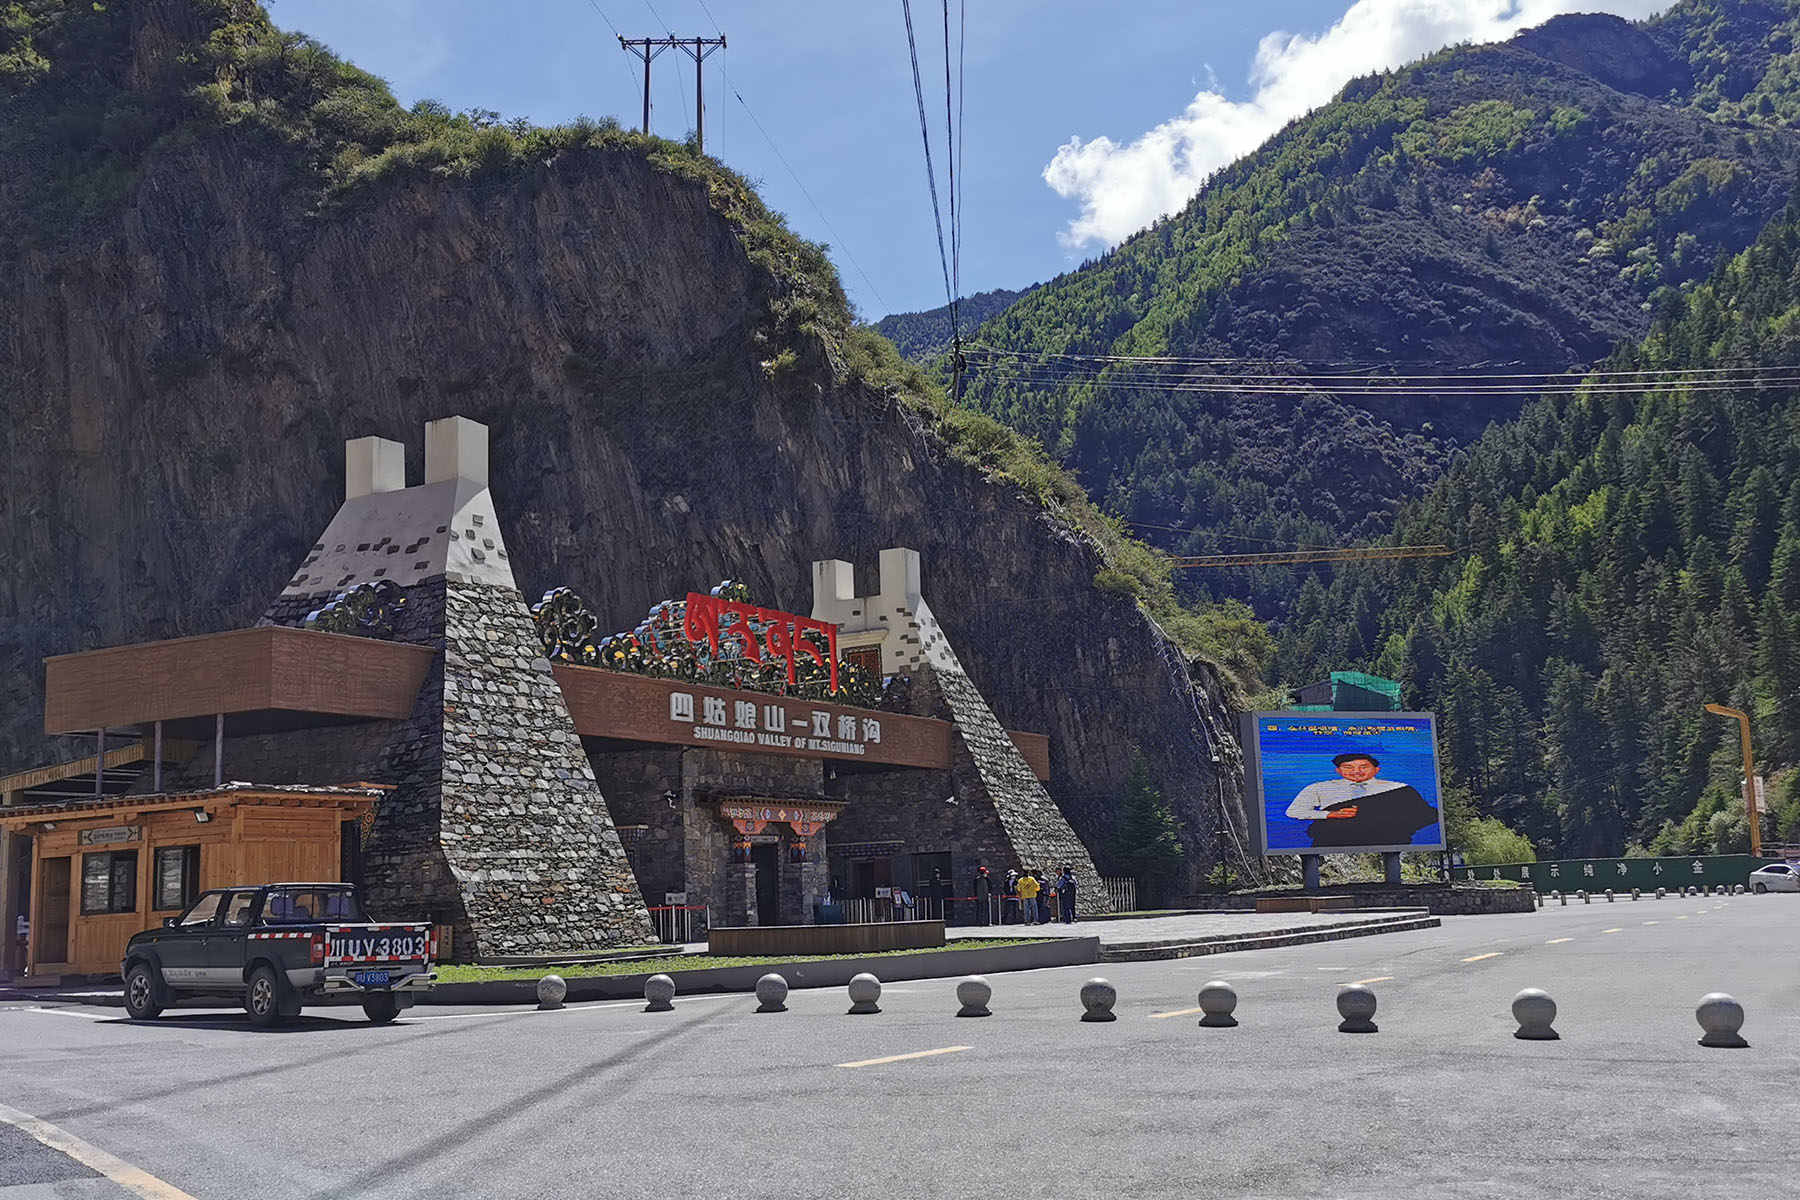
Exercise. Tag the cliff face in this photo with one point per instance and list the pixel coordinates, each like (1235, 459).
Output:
(175, 385)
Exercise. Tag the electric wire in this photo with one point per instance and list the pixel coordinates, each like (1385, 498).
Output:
(937, 216)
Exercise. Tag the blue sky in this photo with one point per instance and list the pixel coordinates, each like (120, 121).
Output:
(1082, 120)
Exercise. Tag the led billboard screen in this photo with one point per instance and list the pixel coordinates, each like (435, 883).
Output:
(1342, 783)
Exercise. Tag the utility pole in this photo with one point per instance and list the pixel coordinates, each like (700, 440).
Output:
(698, 49)
(1743, 720)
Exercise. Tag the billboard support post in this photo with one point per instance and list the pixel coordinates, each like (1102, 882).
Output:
(1390, 867)
(1309, 871)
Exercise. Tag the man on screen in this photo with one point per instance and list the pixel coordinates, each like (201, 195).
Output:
(1357, 809)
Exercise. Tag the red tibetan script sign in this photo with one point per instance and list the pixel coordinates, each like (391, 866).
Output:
(781, 635)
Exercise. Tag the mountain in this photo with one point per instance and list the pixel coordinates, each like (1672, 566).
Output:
(1514, 207)
(922, 337)
(223, 252)
(1625, 555)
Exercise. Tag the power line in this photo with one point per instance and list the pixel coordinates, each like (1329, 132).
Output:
(937, 216)
(838, 239)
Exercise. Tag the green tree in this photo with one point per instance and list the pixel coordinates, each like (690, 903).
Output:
(1146, 842)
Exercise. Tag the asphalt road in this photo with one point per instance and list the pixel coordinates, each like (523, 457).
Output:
(714, 1099)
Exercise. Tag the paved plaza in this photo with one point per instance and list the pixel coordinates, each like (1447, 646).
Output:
(715, 1099)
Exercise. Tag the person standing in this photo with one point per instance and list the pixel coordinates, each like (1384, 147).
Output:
(1010, 896)
(984, 889)
(1065, 886)
(1028, 898)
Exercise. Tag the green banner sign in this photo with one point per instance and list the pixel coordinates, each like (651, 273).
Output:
(1622, 874)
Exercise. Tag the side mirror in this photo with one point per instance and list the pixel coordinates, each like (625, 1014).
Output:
(169, 922)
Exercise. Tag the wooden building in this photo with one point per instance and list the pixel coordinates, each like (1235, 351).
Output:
(102, 870)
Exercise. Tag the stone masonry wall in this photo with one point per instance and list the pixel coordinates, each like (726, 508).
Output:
(635, 784)
(987, 769)
(524, 827)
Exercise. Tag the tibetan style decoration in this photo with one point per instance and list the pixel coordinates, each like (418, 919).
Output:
(366, 610)
(719, 638)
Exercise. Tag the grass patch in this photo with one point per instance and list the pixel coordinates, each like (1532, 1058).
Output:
(694, 962)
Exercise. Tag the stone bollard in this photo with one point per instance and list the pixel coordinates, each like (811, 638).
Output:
(1356, 1004)
(1097, 998)
(1659, 893)
(865, 990)
(1634, 893)
(1535, 1011)
(551, 991)
(1738, 890)
(771, 993)
(1218, 999)
(1721, 1017)
(1609, 896)
(973, 993)
(659, 994)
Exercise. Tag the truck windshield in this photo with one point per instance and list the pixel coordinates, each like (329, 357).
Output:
(304, 905)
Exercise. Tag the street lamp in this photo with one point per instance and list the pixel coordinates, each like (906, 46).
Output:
(1743, 720)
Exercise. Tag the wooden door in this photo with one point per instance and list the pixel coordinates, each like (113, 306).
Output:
(52, 918)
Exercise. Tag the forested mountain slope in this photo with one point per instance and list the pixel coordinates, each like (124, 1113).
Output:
(1624, 556)
(1514, 205)
(923, 336)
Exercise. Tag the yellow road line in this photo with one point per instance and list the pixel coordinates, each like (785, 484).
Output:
(1682, 917)
(1558, 941)
(1377, 979)
(1479, 957)
(1613, 930)
(1653, 922)
(132, 1179)
(893, 1058)
(1180, 1012)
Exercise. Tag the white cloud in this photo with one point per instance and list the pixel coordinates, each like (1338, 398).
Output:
(1122, 188)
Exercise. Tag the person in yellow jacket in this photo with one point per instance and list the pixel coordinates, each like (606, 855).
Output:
(1028, 898)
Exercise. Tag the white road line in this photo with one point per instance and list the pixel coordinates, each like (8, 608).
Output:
(894, 1058)
(64, 1012)
(1558, 941)
(133, 1179)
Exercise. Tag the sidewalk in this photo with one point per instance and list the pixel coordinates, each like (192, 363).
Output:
(1188, 935)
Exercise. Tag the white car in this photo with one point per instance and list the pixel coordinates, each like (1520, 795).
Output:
(1776, 877)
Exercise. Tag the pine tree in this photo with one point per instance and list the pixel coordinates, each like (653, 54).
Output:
(1146, 840)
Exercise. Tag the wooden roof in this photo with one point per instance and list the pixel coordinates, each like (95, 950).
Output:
(355, 797)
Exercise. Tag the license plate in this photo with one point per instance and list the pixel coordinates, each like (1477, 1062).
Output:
(372, 978)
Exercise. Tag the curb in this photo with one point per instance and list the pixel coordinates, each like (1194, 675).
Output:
(836, 972)
(1229, 944)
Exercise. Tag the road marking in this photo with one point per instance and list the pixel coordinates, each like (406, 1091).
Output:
(1377, 979)
(894, 1058)
(1479, 957)
(1558, 941)
(63, 1012)
(1613, 930)
(1180, 1012)
(1682, 917)
(1653, 922)
(134, 1180)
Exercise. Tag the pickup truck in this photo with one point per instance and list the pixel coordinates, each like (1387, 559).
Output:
(274, 948)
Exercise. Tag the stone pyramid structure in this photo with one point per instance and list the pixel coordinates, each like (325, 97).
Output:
(496, 826)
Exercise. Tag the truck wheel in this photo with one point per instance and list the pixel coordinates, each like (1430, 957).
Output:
(381, 1007)
(263, 1000)
(143, 991)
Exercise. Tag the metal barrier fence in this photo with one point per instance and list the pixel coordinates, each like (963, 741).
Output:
(679, 924)
(953, 910)
(1122, 893)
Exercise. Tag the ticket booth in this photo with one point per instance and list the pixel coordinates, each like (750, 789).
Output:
(103, 870)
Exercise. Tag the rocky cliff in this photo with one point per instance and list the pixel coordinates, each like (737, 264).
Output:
(179, 370)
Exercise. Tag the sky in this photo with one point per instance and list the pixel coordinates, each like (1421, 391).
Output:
(1082, 120)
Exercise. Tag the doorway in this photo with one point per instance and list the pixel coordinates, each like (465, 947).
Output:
(766, 857)
(52, 938)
